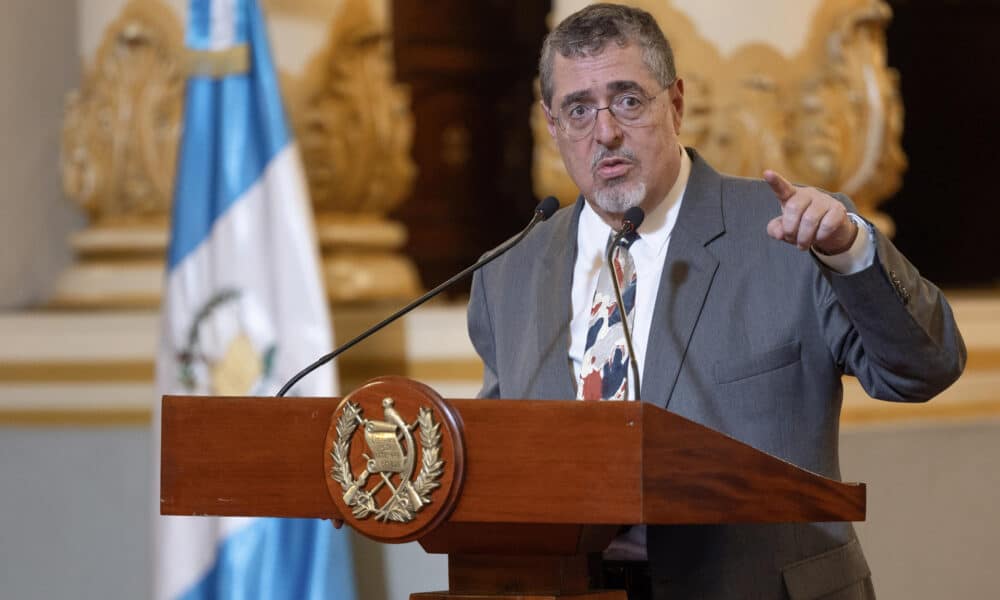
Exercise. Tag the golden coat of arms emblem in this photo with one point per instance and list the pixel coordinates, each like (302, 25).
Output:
(394, 459)
(390, 461)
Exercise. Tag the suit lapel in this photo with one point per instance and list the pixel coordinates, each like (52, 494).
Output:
(688, 272)
(555, 376)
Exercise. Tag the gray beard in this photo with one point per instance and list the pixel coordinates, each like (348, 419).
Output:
(617, 198)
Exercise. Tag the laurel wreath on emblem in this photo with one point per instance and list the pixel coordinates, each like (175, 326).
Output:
(388, 459)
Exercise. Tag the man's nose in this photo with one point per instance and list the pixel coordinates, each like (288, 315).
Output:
(607, 129)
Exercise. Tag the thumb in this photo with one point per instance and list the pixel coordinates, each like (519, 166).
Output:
(782, 189)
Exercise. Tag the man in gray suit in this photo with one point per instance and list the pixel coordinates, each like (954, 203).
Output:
(752, 299)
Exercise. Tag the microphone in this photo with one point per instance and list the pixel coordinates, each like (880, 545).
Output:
(630, 223)
(545, 209)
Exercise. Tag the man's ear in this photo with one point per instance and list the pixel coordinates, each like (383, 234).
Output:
(677, 101)
(550, 123)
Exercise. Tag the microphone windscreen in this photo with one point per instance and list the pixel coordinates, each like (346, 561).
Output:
(634, 217)
(547, 207)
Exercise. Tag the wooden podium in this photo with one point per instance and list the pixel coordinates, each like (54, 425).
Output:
(519, 493)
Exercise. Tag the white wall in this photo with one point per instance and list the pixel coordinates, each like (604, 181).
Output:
(932, 530)
(74, 512)
(38, 66)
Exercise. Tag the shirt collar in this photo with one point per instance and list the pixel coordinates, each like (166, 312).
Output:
(655, 229)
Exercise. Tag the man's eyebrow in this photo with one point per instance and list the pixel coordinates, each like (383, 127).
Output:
(613, 87)
(617, 87)
(574, 97)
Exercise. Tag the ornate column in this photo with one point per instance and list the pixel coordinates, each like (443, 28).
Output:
(119, 147)
(355, 130)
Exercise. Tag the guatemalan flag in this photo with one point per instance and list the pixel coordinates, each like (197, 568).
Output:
(244, 307)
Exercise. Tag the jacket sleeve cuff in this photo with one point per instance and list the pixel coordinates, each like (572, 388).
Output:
(858, 257)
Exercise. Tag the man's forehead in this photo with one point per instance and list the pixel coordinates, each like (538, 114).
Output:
(613, 70)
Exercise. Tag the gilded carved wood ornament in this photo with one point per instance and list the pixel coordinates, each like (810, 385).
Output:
(119, 148)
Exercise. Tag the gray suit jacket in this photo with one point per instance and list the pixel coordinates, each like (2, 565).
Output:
(750, 337)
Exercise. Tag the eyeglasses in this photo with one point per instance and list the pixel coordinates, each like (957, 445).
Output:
(631, 109)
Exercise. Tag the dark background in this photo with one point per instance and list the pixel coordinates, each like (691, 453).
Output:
(471, 65)
(947, 212)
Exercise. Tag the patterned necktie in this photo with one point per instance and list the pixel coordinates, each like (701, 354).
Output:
(604, 370)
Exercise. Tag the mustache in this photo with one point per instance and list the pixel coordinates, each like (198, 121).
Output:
(603, 153)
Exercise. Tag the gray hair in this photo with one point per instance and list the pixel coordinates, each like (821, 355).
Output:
(587, 32)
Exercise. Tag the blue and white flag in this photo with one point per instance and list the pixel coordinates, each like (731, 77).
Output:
(243, 307)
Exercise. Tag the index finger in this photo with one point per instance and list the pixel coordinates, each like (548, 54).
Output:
(782, 189)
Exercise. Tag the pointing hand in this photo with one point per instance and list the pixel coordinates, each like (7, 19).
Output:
(810, 218)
